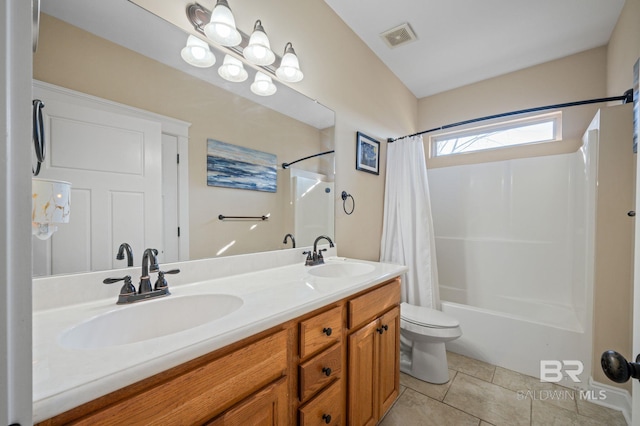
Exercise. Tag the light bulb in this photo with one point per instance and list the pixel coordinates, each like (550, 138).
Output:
(197, 53)
(289, 69)
(222, 26)
(258, 51)
(232, 69)
(263, 85)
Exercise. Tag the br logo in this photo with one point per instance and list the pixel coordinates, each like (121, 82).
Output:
(554, 370)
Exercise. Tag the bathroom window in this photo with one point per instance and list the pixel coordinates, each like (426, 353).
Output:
(541, 128)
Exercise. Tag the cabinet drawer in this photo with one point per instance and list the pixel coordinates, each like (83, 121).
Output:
(204, 392)
(320, 370)
(324, 409)
(364, 308)
(320, 331)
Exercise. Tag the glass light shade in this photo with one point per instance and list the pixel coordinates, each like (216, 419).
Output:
(258, 51)
(197, 53)
(232, 70)
(222, 26)
(50, 203)
(263, 85)
(289, 69)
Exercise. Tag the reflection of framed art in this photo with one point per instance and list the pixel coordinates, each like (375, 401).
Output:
(367, 154)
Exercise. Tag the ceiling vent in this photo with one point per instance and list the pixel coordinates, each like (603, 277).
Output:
(402, 34)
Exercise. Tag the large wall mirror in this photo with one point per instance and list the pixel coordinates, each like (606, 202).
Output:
(118, 52)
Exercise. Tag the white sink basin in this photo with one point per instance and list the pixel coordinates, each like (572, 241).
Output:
(149, 319)
(341, 269)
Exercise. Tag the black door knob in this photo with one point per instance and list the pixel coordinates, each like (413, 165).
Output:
(631, 213)
(326, 371)
(327, 331)
(326, 418)
(617, 368)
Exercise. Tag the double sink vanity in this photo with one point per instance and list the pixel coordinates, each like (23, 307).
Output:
(257, 338)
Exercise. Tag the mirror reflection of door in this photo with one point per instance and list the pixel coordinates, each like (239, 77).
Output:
(119, 185)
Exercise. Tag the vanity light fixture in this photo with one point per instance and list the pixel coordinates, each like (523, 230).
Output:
(232, 70)
(263, 85)
(289, 69)
(258, 51)
(255, 50)
(50, 203)
(222, 26)
(197, 53)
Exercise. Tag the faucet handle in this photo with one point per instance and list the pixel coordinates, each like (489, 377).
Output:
(161, 283)
(309, 260)
(320, 257)
(127, 287)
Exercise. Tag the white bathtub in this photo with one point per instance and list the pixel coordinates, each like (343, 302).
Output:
(516, 343)
(514, 245)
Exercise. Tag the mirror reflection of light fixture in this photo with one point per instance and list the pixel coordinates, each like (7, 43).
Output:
(197, 53)
(222, 26)
(258, 51)
(232, 70)
(263, 85)
(50, 203)
(289, 69)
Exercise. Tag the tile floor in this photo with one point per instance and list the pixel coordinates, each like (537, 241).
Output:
(482, 394)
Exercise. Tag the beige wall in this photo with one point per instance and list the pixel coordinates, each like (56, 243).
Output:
(613, 319)
(623, 50)
(613, 279)
(574, 78)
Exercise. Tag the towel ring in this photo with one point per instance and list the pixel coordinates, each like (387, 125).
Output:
(344, 202)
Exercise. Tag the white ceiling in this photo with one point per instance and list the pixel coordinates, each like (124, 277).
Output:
(465, 41)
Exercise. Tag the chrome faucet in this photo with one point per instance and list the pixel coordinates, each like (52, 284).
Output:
(293, 240)
(149, 264)
(121, 250)
(315, 257)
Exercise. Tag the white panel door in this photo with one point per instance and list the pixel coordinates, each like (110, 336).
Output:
(113, 162)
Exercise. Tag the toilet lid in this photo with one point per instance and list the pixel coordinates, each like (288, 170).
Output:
(426, 317)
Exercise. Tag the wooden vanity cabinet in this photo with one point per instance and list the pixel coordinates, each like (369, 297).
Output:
(374, 354)
(253, 376)
(337, 365)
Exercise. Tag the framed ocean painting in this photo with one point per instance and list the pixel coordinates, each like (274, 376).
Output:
(234, 166)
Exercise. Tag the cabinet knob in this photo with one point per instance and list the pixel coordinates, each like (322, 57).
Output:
(382, 329)
(327, 331)
(326, 371)
(326, 418)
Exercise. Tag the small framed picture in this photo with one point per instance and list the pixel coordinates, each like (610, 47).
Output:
(367, 154)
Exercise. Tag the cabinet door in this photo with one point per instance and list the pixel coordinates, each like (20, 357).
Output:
(267, 407)
(363, 359)
(389, 368)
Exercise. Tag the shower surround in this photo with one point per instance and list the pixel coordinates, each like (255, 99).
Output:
(515, 245)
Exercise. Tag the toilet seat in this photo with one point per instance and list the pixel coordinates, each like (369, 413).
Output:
(426, 317)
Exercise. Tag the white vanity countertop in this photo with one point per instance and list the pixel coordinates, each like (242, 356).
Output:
(64, 378)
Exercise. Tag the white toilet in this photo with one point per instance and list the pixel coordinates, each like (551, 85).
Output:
(423, 333)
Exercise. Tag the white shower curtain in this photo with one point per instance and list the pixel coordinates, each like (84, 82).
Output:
(407, 234)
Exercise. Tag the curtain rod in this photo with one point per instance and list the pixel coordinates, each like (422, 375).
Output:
(626, 98)
(285, 165)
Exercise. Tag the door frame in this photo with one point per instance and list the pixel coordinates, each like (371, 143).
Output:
(16, 21)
